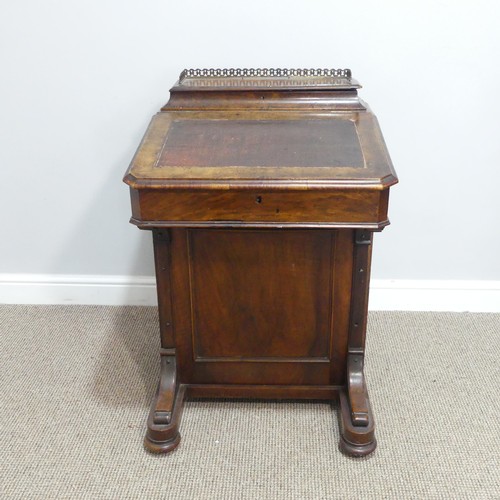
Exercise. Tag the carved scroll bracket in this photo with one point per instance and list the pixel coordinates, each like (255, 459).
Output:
(167, 388)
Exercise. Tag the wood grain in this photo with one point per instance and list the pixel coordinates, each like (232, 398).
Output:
(343, 207)
(245, 287)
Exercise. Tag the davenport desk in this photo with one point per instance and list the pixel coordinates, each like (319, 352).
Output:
(262, 188)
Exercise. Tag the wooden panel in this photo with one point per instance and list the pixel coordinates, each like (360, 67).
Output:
(253, 372)
(343, 260)
(289, 319)
(339, 206)
(329, 392)
(261, 143)
(259, 295)
(161, 242)
(181, 304)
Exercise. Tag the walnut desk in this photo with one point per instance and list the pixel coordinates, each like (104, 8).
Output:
(262, 189)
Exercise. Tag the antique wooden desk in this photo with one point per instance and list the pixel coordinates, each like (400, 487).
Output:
(262, 189)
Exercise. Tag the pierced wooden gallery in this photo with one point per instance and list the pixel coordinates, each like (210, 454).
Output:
(262, 188)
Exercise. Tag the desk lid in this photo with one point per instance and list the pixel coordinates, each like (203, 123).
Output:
(273, 128)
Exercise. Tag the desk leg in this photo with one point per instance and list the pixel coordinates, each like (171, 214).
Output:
(356, 419)
(357, 427)
(164, 418)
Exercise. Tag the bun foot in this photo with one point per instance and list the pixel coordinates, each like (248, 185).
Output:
(353, 450)
(161, 446)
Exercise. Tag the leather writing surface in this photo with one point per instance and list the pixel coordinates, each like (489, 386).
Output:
(262, 143)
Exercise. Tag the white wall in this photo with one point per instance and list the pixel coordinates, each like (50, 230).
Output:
(80, 81)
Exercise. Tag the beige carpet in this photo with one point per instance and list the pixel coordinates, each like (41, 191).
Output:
(76, 384)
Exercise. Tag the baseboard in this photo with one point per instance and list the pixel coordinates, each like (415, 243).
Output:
(77, 289)
(385, 295)
(435, 295)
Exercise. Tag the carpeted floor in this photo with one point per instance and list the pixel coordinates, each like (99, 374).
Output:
(76, 384)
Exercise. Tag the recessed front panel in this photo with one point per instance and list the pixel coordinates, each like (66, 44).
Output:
(259, 295)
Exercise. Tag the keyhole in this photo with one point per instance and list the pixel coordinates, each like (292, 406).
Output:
(258, 199)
